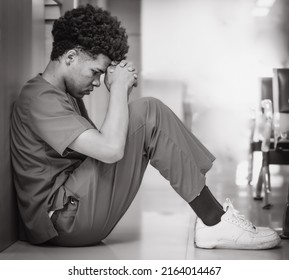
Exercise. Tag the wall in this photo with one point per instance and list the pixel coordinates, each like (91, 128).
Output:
(21, 56)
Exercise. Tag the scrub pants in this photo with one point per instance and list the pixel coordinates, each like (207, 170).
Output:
(98, 194)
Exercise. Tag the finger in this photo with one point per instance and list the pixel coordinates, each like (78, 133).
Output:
(135, 75)
(130, 68)
(123, 63)
(114, 63)
(111, 69)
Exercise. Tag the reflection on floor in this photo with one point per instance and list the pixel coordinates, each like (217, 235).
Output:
(159, 224)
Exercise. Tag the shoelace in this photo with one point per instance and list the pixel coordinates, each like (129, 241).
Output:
(239, 219)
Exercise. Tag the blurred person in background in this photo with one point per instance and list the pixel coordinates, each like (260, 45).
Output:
(75, 181)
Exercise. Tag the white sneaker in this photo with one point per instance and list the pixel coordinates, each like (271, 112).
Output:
(234, 232)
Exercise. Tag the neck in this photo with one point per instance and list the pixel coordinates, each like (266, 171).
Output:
(53, 75)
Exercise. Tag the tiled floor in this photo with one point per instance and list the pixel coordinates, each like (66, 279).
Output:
(159, 225)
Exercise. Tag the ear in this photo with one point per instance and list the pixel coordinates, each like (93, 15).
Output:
(70, 56)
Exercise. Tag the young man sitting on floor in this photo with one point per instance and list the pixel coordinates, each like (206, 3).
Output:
(74, 181)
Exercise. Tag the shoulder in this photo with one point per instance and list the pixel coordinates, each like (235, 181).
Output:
(39, 91)
(38, 87)
(38, 97)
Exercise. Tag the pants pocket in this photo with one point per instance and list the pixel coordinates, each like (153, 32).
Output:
(63, 219)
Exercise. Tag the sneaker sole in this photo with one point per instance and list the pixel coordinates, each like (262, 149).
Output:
(229, 245)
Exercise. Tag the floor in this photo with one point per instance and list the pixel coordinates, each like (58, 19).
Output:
(159, 224)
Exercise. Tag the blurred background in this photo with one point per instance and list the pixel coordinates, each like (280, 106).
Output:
(203, 58)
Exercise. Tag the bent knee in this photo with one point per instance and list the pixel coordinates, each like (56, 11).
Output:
(142, 110)
(146, 99)
(142, 105)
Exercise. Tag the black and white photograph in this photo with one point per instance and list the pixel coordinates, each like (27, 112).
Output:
(154, 131)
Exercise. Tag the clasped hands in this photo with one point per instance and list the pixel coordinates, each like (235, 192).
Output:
(122, 72)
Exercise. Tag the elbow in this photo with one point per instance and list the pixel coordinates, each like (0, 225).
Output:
(115, 155)
(119, 155)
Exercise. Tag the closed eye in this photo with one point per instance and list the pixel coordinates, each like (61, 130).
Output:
(97, 72)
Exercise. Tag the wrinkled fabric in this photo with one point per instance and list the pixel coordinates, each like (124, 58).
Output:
(45, 121)
(103, 192)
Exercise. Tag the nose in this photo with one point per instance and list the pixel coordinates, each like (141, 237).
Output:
(96, 82)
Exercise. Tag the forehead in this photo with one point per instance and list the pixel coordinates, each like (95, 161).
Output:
(101, 61)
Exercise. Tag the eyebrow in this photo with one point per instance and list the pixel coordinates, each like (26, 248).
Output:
(98, 70)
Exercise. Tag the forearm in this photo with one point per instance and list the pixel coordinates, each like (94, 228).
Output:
(115, 126)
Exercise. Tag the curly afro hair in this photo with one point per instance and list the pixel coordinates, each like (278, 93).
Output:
(92, 30)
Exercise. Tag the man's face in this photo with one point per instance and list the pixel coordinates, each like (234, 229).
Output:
(83, 73)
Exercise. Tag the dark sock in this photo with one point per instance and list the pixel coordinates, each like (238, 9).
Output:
(207, 208)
